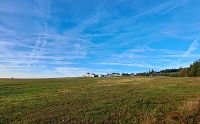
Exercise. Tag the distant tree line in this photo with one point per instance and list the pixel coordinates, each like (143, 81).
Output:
(192, 71)
(166, 72)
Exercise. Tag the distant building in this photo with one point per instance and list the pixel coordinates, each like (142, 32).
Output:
(101, 75)
(90, 75)
(132, 75)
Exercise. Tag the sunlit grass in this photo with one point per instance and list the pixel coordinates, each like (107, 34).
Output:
(100, 100)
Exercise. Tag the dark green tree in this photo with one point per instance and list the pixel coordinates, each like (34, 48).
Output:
(194, 69)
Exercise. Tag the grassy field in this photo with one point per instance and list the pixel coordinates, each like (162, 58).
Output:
(100, 100)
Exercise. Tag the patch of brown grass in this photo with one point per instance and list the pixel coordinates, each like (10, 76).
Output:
(188, 113)
(190, 105)
(173, 117)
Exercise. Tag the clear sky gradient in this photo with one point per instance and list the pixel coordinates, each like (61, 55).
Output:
(57, 38)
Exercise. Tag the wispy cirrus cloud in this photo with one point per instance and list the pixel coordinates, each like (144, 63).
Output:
(194, 46)
(73, 37)
(144, 65)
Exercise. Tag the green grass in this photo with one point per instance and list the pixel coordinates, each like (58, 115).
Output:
(100, 100)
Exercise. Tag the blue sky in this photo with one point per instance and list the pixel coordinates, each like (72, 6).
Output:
(57, 38)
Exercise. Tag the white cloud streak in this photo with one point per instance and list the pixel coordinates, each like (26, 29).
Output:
(194, 46)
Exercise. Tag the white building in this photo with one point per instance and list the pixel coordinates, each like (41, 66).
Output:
(90, 75)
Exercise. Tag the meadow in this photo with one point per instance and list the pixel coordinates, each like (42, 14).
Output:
(100, 100)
